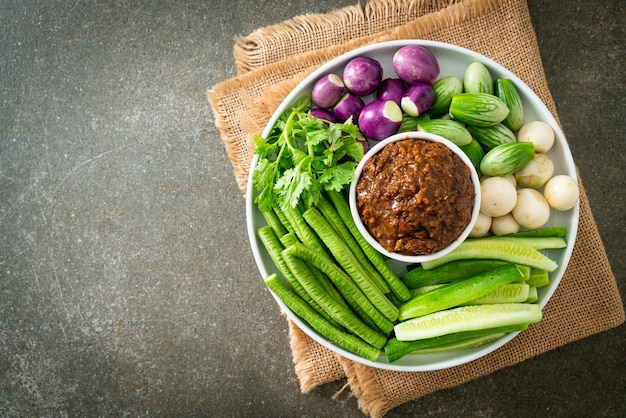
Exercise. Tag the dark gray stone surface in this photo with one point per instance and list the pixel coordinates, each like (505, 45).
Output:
(127, 286)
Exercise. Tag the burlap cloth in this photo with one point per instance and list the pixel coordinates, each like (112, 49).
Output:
(272, 60)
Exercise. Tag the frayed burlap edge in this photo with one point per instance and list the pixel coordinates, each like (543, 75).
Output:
(274, 43)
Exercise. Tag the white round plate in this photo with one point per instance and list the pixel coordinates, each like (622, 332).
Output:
(452, 61)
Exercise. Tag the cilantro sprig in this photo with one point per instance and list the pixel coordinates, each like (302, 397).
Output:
(302, 156)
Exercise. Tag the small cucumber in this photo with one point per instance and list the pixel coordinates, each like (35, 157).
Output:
(507, 158)
(492, 136)
(478, 109)
(505, 89)
(467, 318)
(458, 292)
(492, 249)
(477, 79)
(445, 88)
(475, 152)
(446, 128)
(409, 123)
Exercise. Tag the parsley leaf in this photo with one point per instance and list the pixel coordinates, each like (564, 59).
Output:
(302, 156)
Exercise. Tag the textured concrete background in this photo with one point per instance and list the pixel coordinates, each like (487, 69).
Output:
(127, 287)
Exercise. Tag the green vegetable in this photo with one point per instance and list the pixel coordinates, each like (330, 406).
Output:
(274, 248)
(538, 243)
(477, 79)
(459, 292)
(350, 264)
(338, 312)
(538, 278)
(467, 318)
(398, 288)
(447, 128)
(491, 249)
(349, 290)
(299, 307)
(303, 155)
(331, 215)
(492, 136)
(533, 296)
(274, 222)
(553, 231)
(507, 158)
(445, 88)
(409, 123)
(449, 272)
(505, 89)
(478, 109)
(396, 349)
(475, 153)
(509, 293)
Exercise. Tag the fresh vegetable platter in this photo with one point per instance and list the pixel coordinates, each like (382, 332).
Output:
(298, 186)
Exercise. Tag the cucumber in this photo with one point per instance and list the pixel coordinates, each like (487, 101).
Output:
(461, 345)
(492, 249)
(507, 158)
(467, 318)
(478, 109)
(409, 123)
(538, 243)
(445, 88)
(492, 136)
(477, 79)
(538, 278)
(551, 231)
(458, 292)
(447, 128)
(455, 270)
(505, 89)
(475, 153)
(533, 295)
(396, 349)
(509, 293)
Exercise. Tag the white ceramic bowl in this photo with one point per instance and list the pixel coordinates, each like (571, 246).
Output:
(365, 232)
(452, 61)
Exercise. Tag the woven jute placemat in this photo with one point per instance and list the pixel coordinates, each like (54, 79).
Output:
(273, 60)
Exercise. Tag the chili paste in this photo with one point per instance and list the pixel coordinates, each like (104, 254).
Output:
(415, 196)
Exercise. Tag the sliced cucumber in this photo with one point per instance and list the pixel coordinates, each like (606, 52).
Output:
(396, 349)
(459, 292)
(538, 278)
(509, 293)
(538, 243)
(467, 318)
(492, 249)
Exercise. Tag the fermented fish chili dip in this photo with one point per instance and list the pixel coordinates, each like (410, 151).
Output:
(415, 196)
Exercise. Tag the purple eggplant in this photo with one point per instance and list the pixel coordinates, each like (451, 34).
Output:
(417, 99)
(415, 64)
(391, 89)
(348, 106)
(323, 114)
(327, 91)
(380, 119)
(362, 75)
